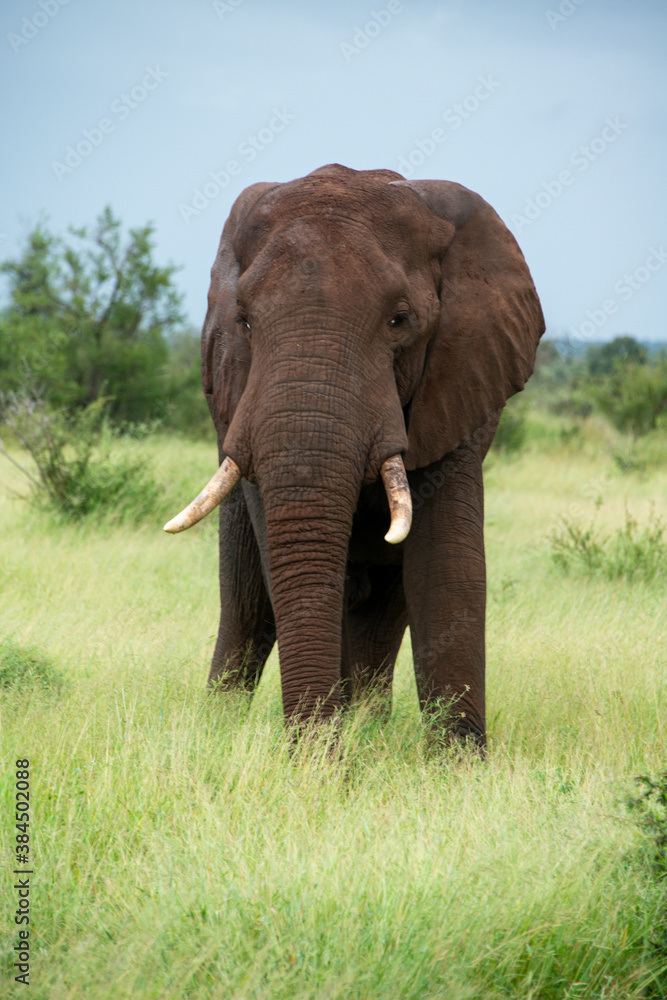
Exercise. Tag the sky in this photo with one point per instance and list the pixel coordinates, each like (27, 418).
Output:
(555, 111)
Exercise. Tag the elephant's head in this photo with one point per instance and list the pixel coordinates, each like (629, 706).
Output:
(357, 324)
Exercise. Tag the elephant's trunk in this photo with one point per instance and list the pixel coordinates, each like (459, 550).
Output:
(314, 439)
(307, 535)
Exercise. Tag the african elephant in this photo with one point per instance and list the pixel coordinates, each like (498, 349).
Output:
(359, 325)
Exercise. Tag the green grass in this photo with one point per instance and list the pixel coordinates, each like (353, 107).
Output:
(180, 851)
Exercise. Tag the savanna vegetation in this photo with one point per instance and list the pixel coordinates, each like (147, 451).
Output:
(181, 847)
(92, 319)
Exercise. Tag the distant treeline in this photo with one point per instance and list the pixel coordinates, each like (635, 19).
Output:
(570, 348)
(621, 379)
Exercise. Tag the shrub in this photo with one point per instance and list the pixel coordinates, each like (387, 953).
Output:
(27, 668)
(633, 396)
(629, 464)
(512, 429)
(631, 553)
(649, 809)
(601, 359)
(187, 411)
(76, 473)
(573, 401)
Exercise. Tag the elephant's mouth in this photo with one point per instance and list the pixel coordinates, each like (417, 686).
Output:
(228, 475)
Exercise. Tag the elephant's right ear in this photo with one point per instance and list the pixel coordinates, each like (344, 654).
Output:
(483, 349)
(225, 354)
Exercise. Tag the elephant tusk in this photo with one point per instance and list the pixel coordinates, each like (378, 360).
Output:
(220, 486)
(398, 494)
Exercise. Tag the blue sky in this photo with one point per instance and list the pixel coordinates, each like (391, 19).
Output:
(555, 111)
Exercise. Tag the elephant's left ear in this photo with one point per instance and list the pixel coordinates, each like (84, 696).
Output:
(225, 355)
(490, 324)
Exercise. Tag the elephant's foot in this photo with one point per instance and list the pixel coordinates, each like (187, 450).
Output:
(238, 671)
(447, 731)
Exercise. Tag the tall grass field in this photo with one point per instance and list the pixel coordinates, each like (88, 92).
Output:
(179, 849)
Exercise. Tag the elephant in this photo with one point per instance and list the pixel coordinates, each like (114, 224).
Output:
(363, 334)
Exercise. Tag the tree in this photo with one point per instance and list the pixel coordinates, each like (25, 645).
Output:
(91, 318)
(187, 408)
(547, 354)
(31, 340)
(554, 369)
(602, 358)
(633, 395)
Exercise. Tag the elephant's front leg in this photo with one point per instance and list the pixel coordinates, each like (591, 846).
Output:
(373, 630)
(445, 585)
(247, 629)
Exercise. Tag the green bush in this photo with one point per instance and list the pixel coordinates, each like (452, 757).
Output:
(27, 668)
(572, 400)
(602, 359)
(649, 809)
(187, 411)
(512, 429)
(77, 474)
(629, 464)
(633, 395)
(630, 553)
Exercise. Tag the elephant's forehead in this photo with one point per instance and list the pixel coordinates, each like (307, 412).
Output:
(320, 211)
(313, 255)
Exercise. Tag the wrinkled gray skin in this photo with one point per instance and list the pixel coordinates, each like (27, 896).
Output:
(354, 316)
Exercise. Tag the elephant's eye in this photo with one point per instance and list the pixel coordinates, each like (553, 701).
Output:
(243, 321)
(399, 319)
